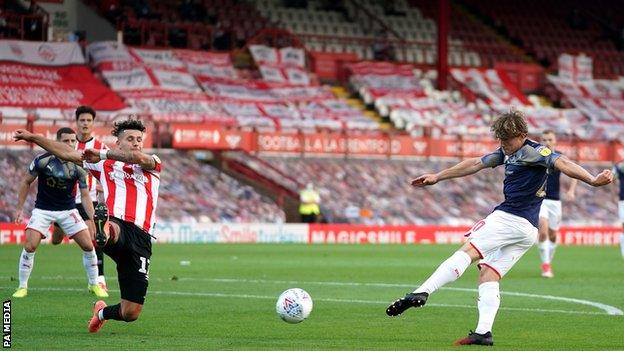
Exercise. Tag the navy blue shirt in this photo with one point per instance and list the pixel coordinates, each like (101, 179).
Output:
(552, 183)
(524, 186)
(618, 171)
(57, 180)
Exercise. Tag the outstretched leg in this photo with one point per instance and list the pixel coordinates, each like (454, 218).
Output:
(449, 271)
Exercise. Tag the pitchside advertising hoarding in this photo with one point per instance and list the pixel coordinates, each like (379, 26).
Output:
(209, 136)
(193, 136)
(204, 233)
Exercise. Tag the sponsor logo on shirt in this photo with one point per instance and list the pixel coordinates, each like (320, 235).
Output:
(121, 175)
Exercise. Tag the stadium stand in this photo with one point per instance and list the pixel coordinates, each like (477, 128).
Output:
(215, 25)
(547, 29)
(378, 191)
(352, 191)
(191, 191)
(279, 92)
(181, 85)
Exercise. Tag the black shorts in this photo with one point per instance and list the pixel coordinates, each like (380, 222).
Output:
(132, 253)
(82, 211)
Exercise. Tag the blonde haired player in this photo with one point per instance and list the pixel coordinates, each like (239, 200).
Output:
(499, 240)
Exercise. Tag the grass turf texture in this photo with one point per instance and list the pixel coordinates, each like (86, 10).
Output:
(225, 300)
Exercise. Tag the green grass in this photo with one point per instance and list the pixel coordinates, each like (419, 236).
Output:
(202, 306)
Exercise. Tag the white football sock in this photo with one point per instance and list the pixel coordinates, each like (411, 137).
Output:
(26, 263)
(544, 251)
(622, 243)
(447, 272)
(489, 301)
(101, 279)
(553, 247)
(89, 261)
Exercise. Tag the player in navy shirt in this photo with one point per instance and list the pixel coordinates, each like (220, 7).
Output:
(499, 240)
(550, 211)
(55, 204)
(618, 171)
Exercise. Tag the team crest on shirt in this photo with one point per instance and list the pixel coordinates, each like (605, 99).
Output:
(544, 151)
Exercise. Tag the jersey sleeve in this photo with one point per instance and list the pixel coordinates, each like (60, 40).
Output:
(82, 178)
(33, 168)
(99, 166)
(540, 156)
(38, 164)
(158, 166)
(493, 159)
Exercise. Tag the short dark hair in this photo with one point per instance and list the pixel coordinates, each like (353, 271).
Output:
(64, 130)
(85, 109)
(132, 124)
(510, 125)
(549, 131)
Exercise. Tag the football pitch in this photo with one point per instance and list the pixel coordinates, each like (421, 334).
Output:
(223, 298)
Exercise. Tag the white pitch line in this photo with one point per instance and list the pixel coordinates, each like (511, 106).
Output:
(610, 310)
(266, 297)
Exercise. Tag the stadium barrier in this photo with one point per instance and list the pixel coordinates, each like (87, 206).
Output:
(204, 233)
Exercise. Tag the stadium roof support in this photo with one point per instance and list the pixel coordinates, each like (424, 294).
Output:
(443, 29)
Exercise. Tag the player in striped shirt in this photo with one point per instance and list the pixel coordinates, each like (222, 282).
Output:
(85, 115)
(130, 180)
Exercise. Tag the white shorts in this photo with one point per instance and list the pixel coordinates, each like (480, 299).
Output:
(69, 221)
(551, 210)
(501, 239)
(621, 210)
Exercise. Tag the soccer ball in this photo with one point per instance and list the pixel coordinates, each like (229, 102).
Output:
(294, 305)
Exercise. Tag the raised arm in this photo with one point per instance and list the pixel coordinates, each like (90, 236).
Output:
(147, 162)
(464, 168)
(21, 196)
(575, 171)
(58, 149)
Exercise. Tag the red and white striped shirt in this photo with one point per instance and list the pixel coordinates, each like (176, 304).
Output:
(92, 143)
(131, 192)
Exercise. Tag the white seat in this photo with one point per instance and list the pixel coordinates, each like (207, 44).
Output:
(430, 57)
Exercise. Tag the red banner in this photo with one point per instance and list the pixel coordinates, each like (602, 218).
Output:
(586, 151)
(193, 136)
(326, 64)
(373, 144)
(66, 87)
(11, 233)
(6, 133)
(101, 133)
(364, 234)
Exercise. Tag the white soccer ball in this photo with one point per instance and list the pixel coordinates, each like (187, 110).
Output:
(294, 305)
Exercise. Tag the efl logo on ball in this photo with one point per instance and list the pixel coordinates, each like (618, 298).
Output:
(294, 305)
